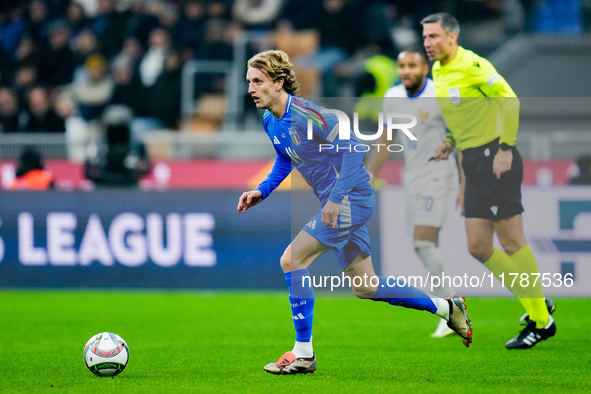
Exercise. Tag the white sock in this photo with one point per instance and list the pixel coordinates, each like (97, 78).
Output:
(442, 306)
(431, 257)
(303, 349)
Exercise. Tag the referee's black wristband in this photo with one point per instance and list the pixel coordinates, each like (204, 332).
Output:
(504, 146)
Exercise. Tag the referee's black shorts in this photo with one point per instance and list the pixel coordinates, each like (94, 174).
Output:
(487, 197)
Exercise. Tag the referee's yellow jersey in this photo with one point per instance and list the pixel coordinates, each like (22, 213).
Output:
(477, 103)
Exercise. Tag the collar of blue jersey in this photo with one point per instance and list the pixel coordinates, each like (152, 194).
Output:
(288, 106)
(412, 96)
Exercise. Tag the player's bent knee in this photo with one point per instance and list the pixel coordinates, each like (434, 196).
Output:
(285, 262)
(511, 246)
(480, 252)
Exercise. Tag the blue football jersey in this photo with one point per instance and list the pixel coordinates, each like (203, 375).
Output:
(333, 172)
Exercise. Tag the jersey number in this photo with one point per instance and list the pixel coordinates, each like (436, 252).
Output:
(294, 156)
(427, 204)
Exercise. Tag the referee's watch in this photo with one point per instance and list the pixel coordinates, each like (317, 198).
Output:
(505, 147)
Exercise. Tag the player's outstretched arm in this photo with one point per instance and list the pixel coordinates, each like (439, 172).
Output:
(248, 200)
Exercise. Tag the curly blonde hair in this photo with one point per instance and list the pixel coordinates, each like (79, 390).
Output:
(276, 65)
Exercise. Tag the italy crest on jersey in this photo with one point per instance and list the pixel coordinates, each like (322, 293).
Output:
(295, 138)
(454, 96)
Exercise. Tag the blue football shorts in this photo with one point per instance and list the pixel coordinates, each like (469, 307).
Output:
(351, 236)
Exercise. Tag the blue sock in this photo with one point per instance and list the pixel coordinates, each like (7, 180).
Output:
(406, 296)
(301, 298)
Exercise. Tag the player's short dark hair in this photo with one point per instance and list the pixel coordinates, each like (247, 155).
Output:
(415, 49)
(276, 65)
(447, 21)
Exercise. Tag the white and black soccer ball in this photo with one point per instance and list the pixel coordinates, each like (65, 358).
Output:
(106, 354)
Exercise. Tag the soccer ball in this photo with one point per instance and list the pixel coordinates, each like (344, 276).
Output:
(106, 354)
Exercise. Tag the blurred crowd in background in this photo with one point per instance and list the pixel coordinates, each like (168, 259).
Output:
(62, 62)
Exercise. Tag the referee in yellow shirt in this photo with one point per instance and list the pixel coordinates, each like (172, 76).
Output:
(482, 115)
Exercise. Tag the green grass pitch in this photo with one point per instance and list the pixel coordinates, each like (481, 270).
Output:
(219, 342)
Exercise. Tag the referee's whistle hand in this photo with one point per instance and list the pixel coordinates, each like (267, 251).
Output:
(441, 152)
(502, 162)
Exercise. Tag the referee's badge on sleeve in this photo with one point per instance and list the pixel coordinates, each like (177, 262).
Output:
(454, 96)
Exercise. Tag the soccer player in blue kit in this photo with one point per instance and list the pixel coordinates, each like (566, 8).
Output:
(341, 183)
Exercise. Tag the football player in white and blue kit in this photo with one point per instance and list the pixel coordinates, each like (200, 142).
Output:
(431, 186)
(340, 181)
